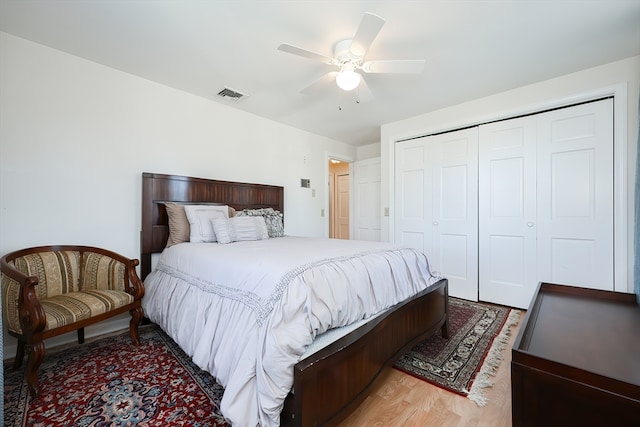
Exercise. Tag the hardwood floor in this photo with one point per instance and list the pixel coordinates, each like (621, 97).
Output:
(398, 399)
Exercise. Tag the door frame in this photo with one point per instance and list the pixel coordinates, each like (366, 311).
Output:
(623, 282)
(346, 159)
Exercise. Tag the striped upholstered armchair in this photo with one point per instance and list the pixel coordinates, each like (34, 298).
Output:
(52, 290)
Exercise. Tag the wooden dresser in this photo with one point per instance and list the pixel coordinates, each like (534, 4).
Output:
(576, 360)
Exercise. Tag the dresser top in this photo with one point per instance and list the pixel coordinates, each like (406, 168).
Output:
(594, 331)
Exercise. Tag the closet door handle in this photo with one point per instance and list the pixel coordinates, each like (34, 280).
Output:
(530, 224)
(435, 223)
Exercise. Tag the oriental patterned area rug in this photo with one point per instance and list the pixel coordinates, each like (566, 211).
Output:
(465, 362)
(110, 382)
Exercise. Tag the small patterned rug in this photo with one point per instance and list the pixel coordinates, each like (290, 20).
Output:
(465, 362)
(110, 382)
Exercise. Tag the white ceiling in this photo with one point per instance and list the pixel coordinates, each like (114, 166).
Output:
(472, 49)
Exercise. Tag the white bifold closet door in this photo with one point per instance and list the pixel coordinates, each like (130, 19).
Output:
(436, 205)
(575, 196)
(507, 211)
(546, 202)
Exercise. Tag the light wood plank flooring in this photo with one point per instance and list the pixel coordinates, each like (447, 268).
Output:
(398, 399)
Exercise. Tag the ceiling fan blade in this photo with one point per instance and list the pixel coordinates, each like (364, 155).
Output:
(304, 53)
(399, 66)
(367, 31)
(320, 83)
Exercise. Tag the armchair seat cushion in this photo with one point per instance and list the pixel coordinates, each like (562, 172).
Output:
(72, 307)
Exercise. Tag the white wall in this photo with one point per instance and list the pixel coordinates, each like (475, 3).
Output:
(75, 137)
(621, 77)
(370, 151)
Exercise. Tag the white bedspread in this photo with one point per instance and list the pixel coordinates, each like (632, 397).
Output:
(246, 311)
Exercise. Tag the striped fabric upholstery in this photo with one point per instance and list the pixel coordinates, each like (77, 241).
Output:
(57, 272)
(102, 272)
(69, 308)
(66, 293)
(10, 293)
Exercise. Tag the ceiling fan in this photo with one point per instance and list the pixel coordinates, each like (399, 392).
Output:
(349, 55)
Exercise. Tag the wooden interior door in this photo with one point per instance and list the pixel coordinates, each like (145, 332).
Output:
(339, 199)
(342, 206)
(332, 203)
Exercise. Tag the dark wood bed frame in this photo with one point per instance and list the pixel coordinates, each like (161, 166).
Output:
(329, 384)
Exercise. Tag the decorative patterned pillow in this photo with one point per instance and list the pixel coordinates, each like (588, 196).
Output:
(200, 216)
(272, 217)
(239, 228)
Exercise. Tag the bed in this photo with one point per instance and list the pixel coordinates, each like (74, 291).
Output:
(329, 383)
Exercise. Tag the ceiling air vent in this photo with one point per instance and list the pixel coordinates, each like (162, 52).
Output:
(231, 95)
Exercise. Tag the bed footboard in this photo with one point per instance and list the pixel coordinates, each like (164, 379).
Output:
(331, 382)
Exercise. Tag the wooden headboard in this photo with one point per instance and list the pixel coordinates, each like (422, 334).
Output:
(158, 189)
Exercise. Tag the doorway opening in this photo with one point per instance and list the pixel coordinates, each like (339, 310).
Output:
(339, 196)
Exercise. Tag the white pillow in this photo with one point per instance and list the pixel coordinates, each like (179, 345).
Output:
(240, 228)
(200, 217)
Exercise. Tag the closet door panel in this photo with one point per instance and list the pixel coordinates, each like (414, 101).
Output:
(413, 196)
(455, 210)
(453, 261)
(575, 195)
(507, 211)
(436, 205)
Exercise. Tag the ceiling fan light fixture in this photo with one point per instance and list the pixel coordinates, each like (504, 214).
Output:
(348, 79)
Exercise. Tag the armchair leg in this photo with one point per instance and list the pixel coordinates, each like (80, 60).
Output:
(17, 362)
(136, 318)
(81, 336)
(36, 354)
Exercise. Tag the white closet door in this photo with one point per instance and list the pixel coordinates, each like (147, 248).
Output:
(507, 211)
(437, 205)
(367, 210)
(546, 202)
(455, 210)
(413, 195)
(575, 195)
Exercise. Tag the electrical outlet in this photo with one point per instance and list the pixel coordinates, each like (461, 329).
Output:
(322, 212)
